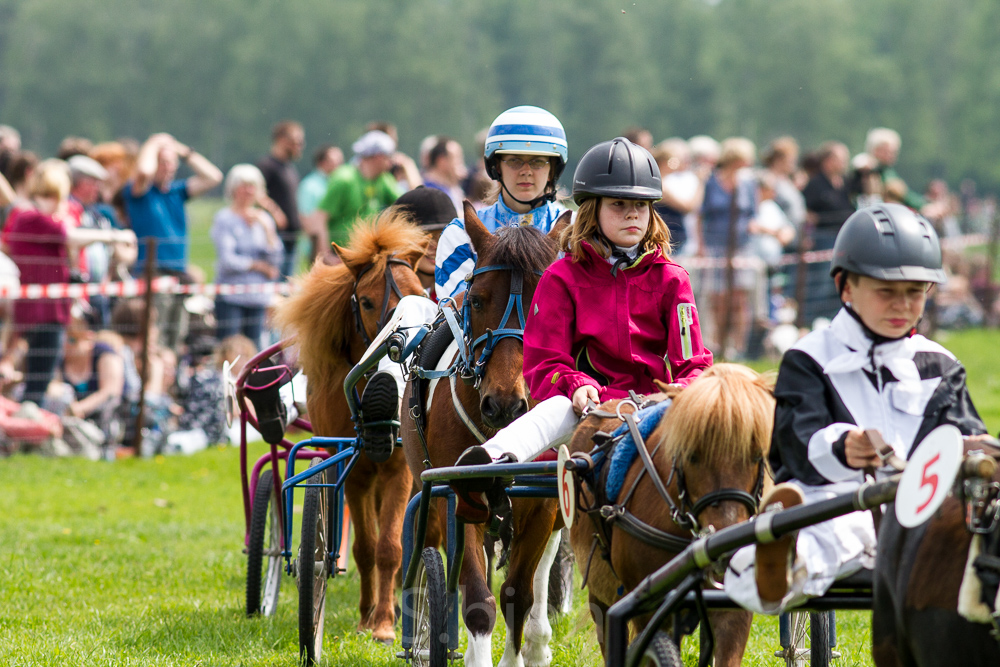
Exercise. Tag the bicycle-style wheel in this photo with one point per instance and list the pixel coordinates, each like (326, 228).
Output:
(313, 567)
(430, 612)
(661, 652)
(264, 550)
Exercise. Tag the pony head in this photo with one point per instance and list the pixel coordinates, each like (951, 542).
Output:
(319, 311)
(717, 434)
(523, 252)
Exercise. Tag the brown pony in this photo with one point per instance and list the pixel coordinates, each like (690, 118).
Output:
(714, 436)
(501, 397)
(330, 343)
(919, 587)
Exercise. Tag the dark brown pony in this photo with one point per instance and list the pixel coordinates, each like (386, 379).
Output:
(330, 343)
(714, 436)
(500, 398)
(918, 584)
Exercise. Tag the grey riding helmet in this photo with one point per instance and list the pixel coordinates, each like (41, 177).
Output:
(888, 242)
(618, 169)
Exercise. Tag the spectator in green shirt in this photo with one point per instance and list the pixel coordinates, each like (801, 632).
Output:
(359, 189)
(883, 145)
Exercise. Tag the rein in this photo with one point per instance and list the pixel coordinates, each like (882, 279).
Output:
(390, 286)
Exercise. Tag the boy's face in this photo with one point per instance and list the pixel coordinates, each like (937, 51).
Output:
(889, 308)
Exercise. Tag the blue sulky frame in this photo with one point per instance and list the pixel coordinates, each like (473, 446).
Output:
(343, 461)
(530, 480)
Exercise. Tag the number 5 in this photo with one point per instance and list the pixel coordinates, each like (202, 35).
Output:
(928, 480)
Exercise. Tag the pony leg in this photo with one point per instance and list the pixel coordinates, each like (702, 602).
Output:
(395, 484)
(599, 612)
(362, 505)
(538, 631)
(731, 630)
(479, 607)
(531, 558)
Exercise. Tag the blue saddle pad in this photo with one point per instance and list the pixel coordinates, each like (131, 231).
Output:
(625, 452)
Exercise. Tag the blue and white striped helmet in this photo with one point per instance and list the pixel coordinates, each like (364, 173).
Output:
(526, 130)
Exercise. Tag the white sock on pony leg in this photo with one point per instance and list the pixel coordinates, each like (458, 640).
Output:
(537, 630)
(533, 432)
(479, 651)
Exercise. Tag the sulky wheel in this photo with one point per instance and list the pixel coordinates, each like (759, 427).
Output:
(264, 550)
(661, 652)
(430, 612)
(313, 567)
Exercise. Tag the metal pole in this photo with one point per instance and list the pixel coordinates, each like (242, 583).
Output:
(146, 318)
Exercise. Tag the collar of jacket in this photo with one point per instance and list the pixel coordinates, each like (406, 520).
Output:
(595, 256)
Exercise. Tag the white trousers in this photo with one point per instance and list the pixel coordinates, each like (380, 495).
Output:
(411, 312)
(529, 435)
(824, 553)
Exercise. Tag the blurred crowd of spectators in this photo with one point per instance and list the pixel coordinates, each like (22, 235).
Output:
(72, 370)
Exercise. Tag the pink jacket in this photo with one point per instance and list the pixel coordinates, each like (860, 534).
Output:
(616, 333)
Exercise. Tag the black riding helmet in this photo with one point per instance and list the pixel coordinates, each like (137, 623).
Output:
(888, 242)
(618, 169)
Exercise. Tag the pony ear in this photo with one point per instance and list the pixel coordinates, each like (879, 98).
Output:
(478, 234)
(561, 223)
(342, 254)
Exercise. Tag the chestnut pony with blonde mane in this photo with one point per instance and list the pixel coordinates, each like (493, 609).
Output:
(714, 436)
(329, 342)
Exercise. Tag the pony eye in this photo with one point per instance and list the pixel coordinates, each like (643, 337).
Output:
(694, 459)
(366, 303)
(476, 302)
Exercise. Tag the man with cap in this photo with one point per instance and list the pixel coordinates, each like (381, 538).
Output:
(86, 210)
(362, 188)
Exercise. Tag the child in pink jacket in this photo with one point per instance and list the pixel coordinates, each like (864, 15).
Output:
(614, 314)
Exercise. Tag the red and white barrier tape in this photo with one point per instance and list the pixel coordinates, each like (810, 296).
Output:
(170, 285)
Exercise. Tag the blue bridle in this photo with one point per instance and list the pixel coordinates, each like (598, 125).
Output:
(475, 367)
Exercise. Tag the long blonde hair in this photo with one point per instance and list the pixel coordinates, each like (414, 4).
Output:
(587, 228)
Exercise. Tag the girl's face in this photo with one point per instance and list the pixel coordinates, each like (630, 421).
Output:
(525, 175)
(623, 221)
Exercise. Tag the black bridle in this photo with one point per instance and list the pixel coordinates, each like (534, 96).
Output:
(390, 286)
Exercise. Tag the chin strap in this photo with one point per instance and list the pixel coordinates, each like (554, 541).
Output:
(545, 197)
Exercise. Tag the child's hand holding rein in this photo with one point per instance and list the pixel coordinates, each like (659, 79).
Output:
(582, 395)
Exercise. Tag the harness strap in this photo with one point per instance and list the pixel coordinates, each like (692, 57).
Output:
(647, 462)
(463, 415)
(642, 531)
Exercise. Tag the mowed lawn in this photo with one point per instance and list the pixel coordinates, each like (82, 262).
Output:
(140, 562)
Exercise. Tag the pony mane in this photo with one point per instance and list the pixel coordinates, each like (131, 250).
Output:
(523, 248)
(318, 312)
(726, 414)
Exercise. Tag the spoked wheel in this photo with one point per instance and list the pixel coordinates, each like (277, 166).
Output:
(808, 639)
(264, 550)
(430, 612)
(661, 652)
(313, 567)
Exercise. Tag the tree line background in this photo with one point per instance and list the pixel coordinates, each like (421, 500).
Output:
(219, 73)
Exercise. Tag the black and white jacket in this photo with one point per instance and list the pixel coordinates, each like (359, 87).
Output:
(836, 379)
